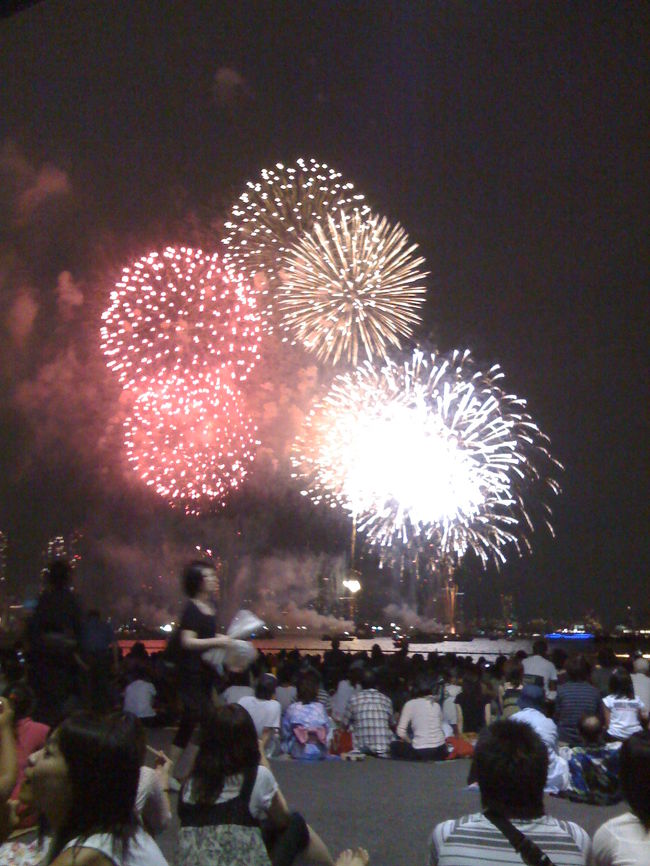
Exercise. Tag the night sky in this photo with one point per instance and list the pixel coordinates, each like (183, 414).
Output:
(511, 140)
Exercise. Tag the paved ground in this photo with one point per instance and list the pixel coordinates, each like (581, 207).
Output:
(389, 807)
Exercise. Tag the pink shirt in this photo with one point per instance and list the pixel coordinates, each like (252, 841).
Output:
(30, 737)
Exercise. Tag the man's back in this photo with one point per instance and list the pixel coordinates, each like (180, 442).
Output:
(370, 713)
(473, 840)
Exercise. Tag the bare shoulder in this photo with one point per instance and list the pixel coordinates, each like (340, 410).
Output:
(81, 857)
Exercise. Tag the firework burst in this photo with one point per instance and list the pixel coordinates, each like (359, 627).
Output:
(179, 310)
(274, 211)
(192, 443)
(431, 449)
(181, 333)
(351, 287)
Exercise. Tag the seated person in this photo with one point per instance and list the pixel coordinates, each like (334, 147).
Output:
(575, 698)
(263, 709)
(511, 764)
(30, 737)
(421, 737)
(369, 714)
(472, 704)
(305, 724)
(593, 766)
(625, 714)
(510, 690)
(531, 703)
(84, 782)
(239, 686)
(139, 696)
(231, 808)
(626, 838)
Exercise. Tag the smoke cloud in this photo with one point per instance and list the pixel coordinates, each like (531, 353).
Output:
(69, 294)
(22, 315)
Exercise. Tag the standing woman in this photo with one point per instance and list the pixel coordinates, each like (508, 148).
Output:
(197, 633)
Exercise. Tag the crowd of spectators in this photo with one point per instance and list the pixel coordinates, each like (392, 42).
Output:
(73, 743)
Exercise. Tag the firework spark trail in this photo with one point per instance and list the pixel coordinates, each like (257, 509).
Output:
(274, 211)
(181, 333)
(176, 310)
(431, 449)
(351, 286)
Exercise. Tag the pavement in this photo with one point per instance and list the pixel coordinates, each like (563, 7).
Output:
(388, 807)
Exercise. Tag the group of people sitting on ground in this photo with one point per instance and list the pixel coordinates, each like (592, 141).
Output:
(530, 725)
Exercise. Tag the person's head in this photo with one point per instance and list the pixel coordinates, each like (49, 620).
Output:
(641, 666)
(369, 679)
(513, 672)
(578, 669)
(423, 686)
(85, 779)
(58, 574)
(511, 765)
(307, 686)
(471, 682)
(228, 745)
(591, 729)
(265, 688)
(540, 647)
(635, 775)
(336, 643)
(199, 577)
(620, 684)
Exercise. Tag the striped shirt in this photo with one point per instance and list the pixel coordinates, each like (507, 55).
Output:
(473, 840)
(573, 700)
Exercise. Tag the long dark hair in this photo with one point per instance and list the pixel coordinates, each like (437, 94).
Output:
(101, 754)
(635, 775)
(227, 745)
(620, 684)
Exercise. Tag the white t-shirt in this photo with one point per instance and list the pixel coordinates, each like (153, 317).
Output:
(538, 666)
(233, 693)
(624, 716)
(264, 789)
(151, 804)
(425, 717)
(557, 778)
(264, 713)
(142, 850)
(138, 699)
(622, 841)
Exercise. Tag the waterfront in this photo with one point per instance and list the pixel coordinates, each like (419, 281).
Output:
(476, 648)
